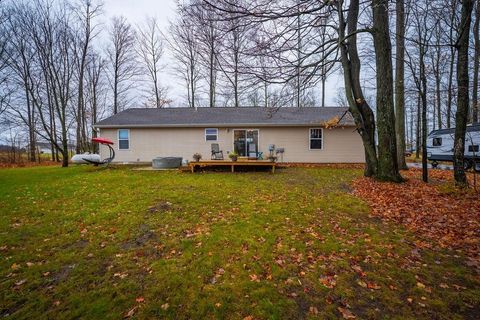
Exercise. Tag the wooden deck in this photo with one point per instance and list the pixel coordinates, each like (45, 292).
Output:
(231, 164)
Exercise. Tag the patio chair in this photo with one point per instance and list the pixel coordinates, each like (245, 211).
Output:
(217, 154)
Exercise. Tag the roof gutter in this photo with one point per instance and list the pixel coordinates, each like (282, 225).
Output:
(209, 125)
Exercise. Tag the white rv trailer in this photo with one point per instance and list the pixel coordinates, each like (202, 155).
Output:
(440, 146)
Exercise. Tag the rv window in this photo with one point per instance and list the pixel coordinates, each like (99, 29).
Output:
(437, 142)
(473, 148)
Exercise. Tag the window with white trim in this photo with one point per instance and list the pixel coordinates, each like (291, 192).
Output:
(123, 139)
(211, 134)
(316, 138)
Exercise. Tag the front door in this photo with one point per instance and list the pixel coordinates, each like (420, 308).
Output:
(245, 142)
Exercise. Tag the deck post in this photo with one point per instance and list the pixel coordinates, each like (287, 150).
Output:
(233, 168)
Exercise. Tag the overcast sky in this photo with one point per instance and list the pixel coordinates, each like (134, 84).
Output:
(164, 10)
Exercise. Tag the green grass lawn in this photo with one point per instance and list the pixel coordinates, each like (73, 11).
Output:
(96, 243)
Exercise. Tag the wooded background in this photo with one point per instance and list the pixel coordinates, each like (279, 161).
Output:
(408, 67)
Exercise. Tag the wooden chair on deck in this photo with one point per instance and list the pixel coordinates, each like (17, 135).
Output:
(217, 154)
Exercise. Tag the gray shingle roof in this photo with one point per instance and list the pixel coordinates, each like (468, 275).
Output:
(201, 117)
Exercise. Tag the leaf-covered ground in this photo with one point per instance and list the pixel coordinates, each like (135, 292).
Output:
(93, 243)
(447, 216)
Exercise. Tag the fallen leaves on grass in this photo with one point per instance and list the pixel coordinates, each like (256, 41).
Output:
(165, 306)
(328, 281)
(254, 278)
(130, 312)
(436, 211)
(346, 314)
(120, 275)
(371, 285)
(20, 282)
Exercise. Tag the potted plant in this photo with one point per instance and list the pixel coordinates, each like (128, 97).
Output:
(197, 157)
(272, 158)
(233, 155)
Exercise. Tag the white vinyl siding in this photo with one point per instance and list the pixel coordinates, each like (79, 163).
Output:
(342, 145)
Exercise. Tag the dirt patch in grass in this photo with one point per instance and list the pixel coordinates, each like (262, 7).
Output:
(62, 274)
(145, 235)
(161, 206)
(436, 211)
(79, 244)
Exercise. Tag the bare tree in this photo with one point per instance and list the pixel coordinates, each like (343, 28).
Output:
(86, 11)
(19, 55)
(422, 33)
(121, 55)
(186, 51)
(400, 83)
(208, 38)
(476, 64)
(387, 146)
(55, 51)
(439, 65)
(234, 34)
(150, 50)
(452, 14)
(343, 31)
(95, 80)
(5, 92)
(461, 116)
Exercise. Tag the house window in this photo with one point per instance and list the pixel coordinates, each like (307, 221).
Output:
(473, 148)
(437, 142)
(123, 139)
(211, 134)
(316, 138)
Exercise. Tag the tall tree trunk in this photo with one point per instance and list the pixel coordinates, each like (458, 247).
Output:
(450, 73)
(423, 94)
(417, 129)
(476, 64)
(192, 85)
(31, 125)
(212, 76)
(461, 116)
(438, 96)
(399, 84)
(94, 119)
(158, 103)
(80, 101)
(387, 146)
(265, 93)
(235, 87)
(115, 96)
(411, 130)
(358, 107)
(324, 80)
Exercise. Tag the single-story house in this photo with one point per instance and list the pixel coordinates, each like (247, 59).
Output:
(307, 135)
